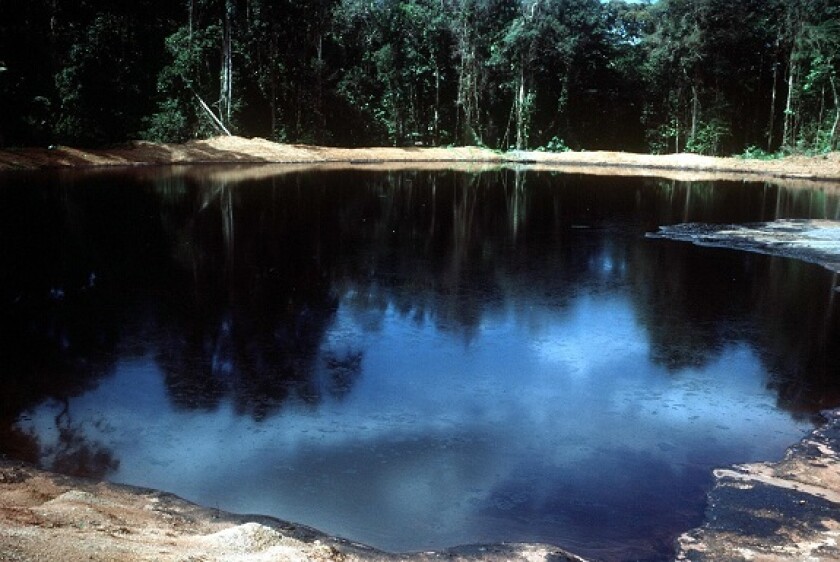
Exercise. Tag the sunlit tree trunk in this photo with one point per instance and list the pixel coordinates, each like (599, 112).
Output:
(226, 82)
(319, 88)
(520, 111)
(468, 75)
(787, 132)
(835, 129)
(695, 111)
(677, 136)
(436, 119)
(770, 125)
(465, 80)
(273, 105)
(191, 16)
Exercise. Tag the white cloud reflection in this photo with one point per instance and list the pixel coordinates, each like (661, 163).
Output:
(442, 441)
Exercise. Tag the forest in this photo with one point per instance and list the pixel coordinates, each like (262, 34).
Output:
(752, 77)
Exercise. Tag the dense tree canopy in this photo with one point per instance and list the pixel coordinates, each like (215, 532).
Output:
(709, 76)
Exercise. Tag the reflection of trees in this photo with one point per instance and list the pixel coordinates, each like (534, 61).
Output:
(688, 308)
(342, 371)
(691, 300)
(241, 281)
(252, 304)
(453, 247)
(800, 339)
(62, 292)
(481, 239)
(75, 453)
(617, 483)
(262, 265)
(675, 202)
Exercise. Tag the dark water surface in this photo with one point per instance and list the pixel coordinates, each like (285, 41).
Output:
(412, 360)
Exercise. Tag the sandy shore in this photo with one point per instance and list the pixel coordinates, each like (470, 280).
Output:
(47, 517)
(685, 167)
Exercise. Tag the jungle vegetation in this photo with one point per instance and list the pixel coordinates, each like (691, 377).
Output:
(708, 76)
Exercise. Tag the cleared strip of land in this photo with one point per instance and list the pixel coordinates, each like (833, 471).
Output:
(686, 167)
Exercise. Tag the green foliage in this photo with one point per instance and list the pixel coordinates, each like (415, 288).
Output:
(753, 152)
(179, 116)
(663, 137)
(398, 62)
(700, 75)
(709, 138)
(98, 84)
(554, 145)
(168, 124)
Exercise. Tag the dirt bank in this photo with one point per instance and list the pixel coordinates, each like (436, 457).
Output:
(48, 517)
(240, 150)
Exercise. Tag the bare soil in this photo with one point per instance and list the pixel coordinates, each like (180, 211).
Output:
(686, 167)
(49, 517)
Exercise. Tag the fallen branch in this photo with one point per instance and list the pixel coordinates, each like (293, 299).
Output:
(216, 120)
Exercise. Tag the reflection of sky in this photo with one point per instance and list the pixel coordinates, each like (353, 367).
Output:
(549, 425)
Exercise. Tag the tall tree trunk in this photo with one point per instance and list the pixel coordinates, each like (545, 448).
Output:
(226, 82)
(770, 124)
(273, 106)
(820, 116)
(677, 137)
(191, 17)
(695, 111)
(467, 97)
(835, 129)
(463, 102)
(787, 132)
(520, 110)
(319, 89)
(436, 121)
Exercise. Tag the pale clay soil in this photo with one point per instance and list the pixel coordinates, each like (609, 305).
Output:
(50, 517)
(686, 167)
(45, 516)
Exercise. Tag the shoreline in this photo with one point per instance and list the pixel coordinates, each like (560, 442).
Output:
(782, 510)
(819, 170)
(775, 511)
(49, 516)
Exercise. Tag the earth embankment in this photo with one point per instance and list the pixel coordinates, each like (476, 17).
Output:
(686, 167)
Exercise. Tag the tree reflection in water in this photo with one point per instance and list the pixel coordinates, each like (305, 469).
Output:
(260, 295)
